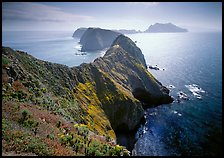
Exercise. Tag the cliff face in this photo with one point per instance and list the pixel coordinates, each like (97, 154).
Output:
(79, 32)
(167, 27)
(96, 39)
(125, 66)
(129, 46)
(106, 95)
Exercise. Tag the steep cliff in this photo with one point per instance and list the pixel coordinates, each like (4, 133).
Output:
(79, 32)
(97, 38)
(129, 46)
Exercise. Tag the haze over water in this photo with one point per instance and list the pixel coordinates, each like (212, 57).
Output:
(192, 65)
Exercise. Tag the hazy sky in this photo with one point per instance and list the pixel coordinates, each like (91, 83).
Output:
(200, 16)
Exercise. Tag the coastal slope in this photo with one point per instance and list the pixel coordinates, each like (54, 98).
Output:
(103, 97)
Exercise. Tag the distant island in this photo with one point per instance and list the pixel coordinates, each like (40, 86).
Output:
(93, 39)
(164, 28)
(96, 39)
(157, 27)
(80, 31)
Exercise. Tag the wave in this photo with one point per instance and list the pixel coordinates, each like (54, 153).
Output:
(171, 86)
(195, 90)
(175, 112)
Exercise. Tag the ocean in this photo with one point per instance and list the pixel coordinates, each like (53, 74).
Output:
(190, 65)
(53, 46)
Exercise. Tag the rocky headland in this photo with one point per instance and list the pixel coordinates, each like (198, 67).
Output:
(79, 32)
(107, 96)
(96, 39)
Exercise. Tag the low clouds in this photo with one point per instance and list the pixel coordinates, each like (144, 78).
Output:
(27, 11)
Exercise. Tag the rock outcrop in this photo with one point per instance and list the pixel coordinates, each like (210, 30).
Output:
(129, 46)
(167, 27)
(96, 39)
(79, 32)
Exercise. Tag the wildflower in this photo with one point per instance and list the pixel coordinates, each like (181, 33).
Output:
(62, 135)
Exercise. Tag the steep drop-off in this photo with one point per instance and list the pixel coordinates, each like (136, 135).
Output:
(79, 32)
(96, 39)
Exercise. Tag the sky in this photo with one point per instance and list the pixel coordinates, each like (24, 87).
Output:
(68, 16)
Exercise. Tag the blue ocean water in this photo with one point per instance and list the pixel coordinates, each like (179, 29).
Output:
(193, 66)
(53, 46)
(192, 62)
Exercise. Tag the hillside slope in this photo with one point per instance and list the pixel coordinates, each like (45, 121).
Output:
(75, 108)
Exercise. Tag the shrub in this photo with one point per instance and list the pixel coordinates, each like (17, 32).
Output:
(91, 151)
(112, 152)
(25, 114)
(44, 90)
(58, 125)
(20, 95)
(126, 153)
(118, 149)
(66, 139)
(30, 123)
(6, 124)
(50, 136)
(108, 138)
(19, 141)
(27, 121)
(5, 61)
(98, 153)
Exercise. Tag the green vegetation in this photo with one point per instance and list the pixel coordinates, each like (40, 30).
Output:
(27, 120)
(23, 142)
(43, 101)
(96, 119)
(5, 61)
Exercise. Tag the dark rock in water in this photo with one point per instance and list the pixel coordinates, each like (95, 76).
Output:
(154, 67)
(82, 53)
(167, 27)
(79, 32)
(96, 39)
(182, 95)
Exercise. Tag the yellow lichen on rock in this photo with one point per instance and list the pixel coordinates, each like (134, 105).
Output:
(96, 116)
